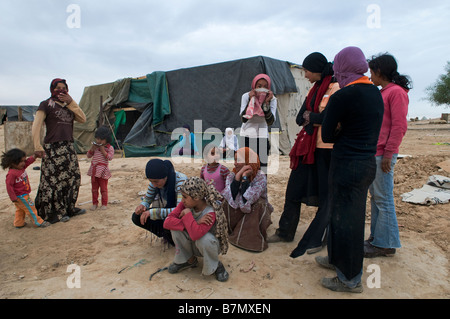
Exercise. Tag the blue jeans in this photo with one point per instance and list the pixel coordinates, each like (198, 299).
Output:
(383, 226)
(351, 283)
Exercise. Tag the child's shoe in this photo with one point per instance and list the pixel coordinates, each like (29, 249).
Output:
(104, 207)
(94, 207)
(221, 273)
(45, 224)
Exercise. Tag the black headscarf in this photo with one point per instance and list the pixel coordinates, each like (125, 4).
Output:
(159, 169)
(316, 62)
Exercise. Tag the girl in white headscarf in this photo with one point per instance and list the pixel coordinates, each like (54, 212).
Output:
(229, 144)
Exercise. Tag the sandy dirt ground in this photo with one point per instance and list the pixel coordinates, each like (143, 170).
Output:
(112, 258)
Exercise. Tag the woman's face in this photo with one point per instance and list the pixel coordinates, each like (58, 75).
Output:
(239, 162)
(158, 183)
(312, 76)
(375, 77)
(262, 84)
(61, 87)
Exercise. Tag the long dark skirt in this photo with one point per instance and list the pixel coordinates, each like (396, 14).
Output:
(349, 185)
(59, 182)
(308, 184)
(316, 233)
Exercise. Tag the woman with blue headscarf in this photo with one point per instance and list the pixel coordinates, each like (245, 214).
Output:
(163, 195)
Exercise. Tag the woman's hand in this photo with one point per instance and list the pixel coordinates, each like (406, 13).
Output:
(306, 117)
(140, 209)
(39, 154)
(246, 171)
(65, 97)
(144, 216)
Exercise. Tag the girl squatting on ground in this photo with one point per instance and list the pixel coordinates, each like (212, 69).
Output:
(199, 229)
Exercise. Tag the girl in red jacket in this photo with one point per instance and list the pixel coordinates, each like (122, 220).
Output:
(198, 228)
(18, 187)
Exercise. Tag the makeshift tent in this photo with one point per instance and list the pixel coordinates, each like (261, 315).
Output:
(18, 121)
(207, 98)
(18, 112)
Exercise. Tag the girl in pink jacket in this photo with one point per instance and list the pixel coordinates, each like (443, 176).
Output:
(384, 237)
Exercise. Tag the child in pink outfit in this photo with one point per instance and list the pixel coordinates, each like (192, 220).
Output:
(214, 172)
(101, 153)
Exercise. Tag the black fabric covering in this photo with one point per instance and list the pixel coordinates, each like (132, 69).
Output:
(212, 93)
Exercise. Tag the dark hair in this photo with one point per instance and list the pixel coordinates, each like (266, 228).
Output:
(103, 133)
(12, 157)
(386, 65)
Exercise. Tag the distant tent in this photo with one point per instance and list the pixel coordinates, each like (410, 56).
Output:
(18, 112)
(144, 112)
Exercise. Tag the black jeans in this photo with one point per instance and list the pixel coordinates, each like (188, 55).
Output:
(349, 184)
(155, 227)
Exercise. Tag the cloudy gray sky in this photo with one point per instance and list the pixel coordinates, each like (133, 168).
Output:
(94, 42)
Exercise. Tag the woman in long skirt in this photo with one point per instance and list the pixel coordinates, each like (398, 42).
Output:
(60, 173)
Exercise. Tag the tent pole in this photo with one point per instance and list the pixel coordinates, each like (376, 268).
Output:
(109, 123)
(115, 139)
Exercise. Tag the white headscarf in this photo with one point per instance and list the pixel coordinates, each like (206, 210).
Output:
(229, 138)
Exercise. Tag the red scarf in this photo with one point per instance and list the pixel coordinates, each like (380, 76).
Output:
(305, 144)
(55, 93)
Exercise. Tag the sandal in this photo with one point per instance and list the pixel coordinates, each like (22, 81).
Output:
(221, 273)
(174, 268)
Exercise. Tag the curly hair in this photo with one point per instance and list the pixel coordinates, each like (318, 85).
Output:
(103, 133)
(12, 157)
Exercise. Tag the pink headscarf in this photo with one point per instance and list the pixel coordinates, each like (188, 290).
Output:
(259, 77)
(350, 64)
(256, 102)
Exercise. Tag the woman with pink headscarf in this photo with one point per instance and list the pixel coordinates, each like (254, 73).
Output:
(258, 111)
